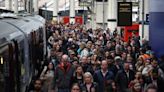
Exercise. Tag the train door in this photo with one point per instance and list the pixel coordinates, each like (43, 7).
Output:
(4, 68)
(41, 44)
(17, 59)
(7, 69)
(35, 62)
(32, 51)
(39, 49)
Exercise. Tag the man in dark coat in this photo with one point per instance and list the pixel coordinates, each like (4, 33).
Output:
(104, 77)
(123, 78)
(63, 75)
(156, 80)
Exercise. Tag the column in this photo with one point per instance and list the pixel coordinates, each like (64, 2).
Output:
(8, 4)
(72, 11)
(26, 4)
(15, 6)
(55, 12)
(112, 14)
(144, 13)
(23, 4)
(93, 20)
(36, 6)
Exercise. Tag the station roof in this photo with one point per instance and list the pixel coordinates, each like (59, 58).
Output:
(63, 5)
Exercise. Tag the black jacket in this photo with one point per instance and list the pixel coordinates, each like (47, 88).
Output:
(104, 82)
(63, 77)
(123, 81)
(93, 88)
(159, 80)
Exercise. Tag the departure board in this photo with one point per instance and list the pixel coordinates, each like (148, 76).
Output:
(124, 15)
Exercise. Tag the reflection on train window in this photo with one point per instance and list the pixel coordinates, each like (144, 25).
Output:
(21, 52)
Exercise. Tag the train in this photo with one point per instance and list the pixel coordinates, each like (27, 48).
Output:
(22, 48)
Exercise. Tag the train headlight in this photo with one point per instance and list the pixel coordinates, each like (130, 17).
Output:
(1, 58)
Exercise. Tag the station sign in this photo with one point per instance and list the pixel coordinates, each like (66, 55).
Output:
(124, 14)
(85, 3)
(147, 18)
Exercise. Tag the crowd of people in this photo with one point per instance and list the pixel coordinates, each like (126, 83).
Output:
(87, 60)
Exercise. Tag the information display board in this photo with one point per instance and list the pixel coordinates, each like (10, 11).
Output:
(124, 15)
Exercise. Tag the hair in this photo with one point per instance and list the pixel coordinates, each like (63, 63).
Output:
(151, 86)
(88, 74)
(38, 80)
(52, 65)
(132, 84)
(78, 67)
(76, 84)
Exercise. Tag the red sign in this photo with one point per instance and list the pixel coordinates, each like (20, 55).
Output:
(78, 20)
(128, 30)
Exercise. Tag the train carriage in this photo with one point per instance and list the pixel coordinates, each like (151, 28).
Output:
(20, 39)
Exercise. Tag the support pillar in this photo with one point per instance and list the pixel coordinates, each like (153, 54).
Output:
(8, 4)
(112, 14)
(55, 10)
(16, 6)
(72, 11)
(36, 9)
(144, 13)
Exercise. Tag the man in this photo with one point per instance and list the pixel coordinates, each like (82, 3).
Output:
(103, 77)
(87, 50)
(72, 55)
(86, 65)
(155, 65)
(63, 75)
(123, 77)
(117, 65)
(37, 86)
(155, 79)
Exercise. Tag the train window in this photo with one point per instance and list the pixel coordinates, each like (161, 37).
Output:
(41, 34)
(37, 36)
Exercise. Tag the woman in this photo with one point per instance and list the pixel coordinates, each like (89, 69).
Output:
(81, 47)
(95, 63)
(136, 87)
(47, 77)
(75, 88)
(78, 76)
(138, 77)
(114, 87)
(89, 85)
(140, 64)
